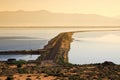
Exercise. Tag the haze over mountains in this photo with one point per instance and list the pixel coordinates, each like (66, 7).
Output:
(46, 18)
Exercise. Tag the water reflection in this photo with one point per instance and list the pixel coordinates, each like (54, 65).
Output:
(95, 47)
(107, 38)
(18, 57)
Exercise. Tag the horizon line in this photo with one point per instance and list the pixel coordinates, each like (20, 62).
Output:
(48, 11)
(59, 26)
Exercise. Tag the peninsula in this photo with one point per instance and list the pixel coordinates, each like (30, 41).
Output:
(56, 51)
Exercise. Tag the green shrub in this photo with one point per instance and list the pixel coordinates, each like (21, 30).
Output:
(28, 79)
(19, 63)
(75, 77)
(9, 78)
(22, 71)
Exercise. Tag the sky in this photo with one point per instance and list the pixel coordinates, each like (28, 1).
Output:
(101, 7)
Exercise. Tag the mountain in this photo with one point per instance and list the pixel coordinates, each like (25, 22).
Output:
(47, 18)
(117, 17)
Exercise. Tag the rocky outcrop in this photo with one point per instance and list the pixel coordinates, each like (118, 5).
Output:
(57, 49)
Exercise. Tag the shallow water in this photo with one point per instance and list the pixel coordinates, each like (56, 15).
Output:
(95, 47)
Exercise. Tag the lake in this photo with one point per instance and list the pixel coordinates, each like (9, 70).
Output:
(87, 47)
(95, 47)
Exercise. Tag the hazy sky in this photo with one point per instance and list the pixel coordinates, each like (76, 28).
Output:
(103, 7)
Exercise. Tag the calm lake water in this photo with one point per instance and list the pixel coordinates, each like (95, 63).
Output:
(87, 47)
(95, 47)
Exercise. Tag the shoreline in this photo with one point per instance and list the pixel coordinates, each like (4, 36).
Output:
(44, 50)
(54, 65)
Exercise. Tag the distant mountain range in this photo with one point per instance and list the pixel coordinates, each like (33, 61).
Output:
(46, 18)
